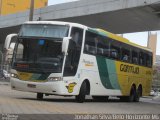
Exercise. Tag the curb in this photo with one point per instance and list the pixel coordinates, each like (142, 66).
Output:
(4, 83)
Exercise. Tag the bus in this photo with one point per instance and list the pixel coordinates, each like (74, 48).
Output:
(70, 59)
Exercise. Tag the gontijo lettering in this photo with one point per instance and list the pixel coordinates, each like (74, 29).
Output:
(129, 69)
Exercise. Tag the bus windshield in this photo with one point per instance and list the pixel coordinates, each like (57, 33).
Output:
(38, 55)
(44, 30)
(38, 48)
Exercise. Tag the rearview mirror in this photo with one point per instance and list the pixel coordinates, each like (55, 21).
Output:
(8, 40)
(65, 44)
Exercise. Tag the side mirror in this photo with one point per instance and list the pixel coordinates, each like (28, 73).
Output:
(9, 39)
(65, 44)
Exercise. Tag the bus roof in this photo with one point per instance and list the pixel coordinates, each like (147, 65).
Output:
(98, 31)
(57, 23)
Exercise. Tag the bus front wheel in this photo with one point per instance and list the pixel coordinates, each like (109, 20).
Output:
(39, 96)
(82, 94)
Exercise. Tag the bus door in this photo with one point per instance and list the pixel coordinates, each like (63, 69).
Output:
(74, 51)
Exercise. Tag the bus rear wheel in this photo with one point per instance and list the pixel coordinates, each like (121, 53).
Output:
(138, 94)
(82, 94)
(39, 96)
(100, 98)
(129, 98)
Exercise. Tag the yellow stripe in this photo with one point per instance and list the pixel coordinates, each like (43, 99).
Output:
(88, 65)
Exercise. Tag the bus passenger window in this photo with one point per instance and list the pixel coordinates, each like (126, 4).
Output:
(92, 50)
(148, 60)
(100, 51)
(90, 45)
(115, 50)
(114, 54)
(86, 48)
(134, 57)
(103, 46)
(106, 52)
(135, 60)
(125, 54)
(125, 57)
(142, 58)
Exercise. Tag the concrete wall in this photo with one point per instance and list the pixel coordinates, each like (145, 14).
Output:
(117, 16)
(73, 9)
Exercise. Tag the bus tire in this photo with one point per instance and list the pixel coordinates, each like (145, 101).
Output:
(129, 98)
(82, 94)
(138, 94)
(132, 95)
(39, 96)
(100, 98)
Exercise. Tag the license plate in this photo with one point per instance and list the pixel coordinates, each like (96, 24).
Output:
(31, 86)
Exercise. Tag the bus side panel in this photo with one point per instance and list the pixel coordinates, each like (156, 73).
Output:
(148, 81)
(89, 71)
(108, 75)
(129, 74)
(101, 74)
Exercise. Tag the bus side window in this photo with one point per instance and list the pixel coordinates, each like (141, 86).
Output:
(134, 56)
(92, 50)
(114, 53)
(125, 57)
(89, 49)
(125, 53)
(148, 60)
(142, 58)
(86, 48)
(100, 51)
(115, 50)
(103, 46)
(90, 45)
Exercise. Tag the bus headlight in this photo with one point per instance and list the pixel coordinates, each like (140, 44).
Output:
(14, 75)
(50, 79)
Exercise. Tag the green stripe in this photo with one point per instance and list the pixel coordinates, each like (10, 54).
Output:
(107, 72)
(103, 71)
(112, 73)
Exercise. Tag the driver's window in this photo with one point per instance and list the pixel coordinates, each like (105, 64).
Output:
(74, 51)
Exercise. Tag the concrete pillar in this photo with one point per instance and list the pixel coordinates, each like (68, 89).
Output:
(0, 6)
(152, 44)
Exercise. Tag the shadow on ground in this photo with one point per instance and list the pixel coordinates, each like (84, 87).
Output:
(72, 100)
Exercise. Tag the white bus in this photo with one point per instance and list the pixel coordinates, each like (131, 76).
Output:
(70, 59)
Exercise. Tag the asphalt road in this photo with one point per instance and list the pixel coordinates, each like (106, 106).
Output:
(17, 102)
(17, 105)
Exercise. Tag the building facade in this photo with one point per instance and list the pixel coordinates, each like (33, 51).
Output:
(152, 44)
(14, 6)
(156, 75)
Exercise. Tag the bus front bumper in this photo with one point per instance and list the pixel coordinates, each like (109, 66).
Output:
(55, 88)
